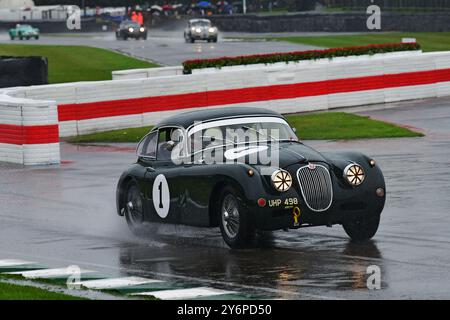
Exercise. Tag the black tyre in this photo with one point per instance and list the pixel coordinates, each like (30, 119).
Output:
(134, 209)
(28, 37)
(363, 229)
(234, 222)
(192, 40)
(215, 40)
(36, 37)
(12, 37)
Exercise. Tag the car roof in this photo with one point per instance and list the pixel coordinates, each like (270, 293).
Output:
(187, 119)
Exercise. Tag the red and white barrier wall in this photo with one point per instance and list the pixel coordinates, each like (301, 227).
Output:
(29, 132)
(86, 107)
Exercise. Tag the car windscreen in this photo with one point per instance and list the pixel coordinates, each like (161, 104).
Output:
(202, 24)
(239, 131)
(131, 25)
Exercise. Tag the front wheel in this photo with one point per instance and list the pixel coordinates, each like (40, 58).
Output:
(134, 209)
(234, 221)
(363, 229)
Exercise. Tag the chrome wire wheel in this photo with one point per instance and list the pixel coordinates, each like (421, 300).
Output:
(230, 216)
(134, 207)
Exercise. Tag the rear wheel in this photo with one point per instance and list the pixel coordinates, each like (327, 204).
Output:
(234, 225)
(134, 209)
(362, 229)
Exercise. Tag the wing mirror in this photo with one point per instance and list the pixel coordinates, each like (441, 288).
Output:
(294, 129)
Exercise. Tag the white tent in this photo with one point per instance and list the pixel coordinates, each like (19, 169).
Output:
(16, 4)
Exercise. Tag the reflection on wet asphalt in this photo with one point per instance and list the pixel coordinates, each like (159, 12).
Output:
(66, 215)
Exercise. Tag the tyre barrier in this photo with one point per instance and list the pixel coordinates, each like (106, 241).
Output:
(23, 71)
(86, 107)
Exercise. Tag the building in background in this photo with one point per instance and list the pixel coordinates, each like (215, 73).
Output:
(26, 10)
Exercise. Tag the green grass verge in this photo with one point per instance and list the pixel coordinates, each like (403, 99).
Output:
(17, 292)
(318, 126)
(76, 63)
(61, 282)
(121, 135)
(430, 41)
(345, 126)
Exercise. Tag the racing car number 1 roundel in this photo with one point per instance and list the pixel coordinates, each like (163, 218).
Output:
(161, 196)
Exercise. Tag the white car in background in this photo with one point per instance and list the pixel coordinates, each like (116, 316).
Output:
(200, 29)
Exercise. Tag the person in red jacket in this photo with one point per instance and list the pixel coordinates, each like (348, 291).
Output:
(140, 18)
(134, 17)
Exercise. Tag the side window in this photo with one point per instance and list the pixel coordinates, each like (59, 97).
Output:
(147, 147)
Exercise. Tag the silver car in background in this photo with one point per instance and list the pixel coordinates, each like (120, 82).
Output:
(200, 29)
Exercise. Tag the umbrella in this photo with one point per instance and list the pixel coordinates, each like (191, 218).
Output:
(167, 7)
(204, 4)
(156, 7)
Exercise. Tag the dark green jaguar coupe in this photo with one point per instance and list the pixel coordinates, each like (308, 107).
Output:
(243, 170)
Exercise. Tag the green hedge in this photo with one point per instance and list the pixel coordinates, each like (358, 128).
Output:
(190, 65)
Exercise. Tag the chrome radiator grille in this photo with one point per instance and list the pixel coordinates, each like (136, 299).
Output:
(316, 187)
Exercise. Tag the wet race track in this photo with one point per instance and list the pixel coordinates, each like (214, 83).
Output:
(65, 215)
(166, 47)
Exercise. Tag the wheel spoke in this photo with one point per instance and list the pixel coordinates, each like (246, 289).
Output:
(230, 216)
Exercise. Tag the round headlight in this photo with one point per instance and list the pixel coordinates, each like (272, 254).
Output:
(354, 174)
(131, 29)
(142, 29)
(281, 180)
(198, 30)
(212, 30)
